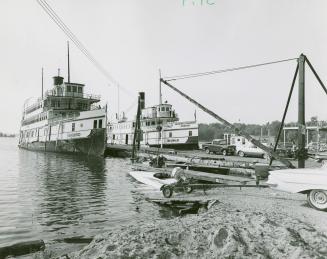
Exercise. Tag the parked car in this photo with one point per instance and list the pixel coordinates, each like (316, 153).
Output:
(219, 146)
(310, 181)
(251, 150)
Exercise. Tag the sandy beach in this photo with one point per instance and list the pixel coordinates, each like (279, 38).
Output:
(247, 223)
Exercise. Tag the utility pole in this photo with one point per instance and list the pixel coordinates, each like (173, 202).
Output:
(137, 129)
(301, 112)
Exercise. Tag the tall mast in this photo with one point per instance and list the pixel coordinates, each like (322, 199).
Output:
(42, 84)
(160, 95)
(68, 62)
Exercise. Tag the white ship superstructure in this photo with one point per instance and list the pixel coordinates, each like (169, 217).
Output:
(65, 119)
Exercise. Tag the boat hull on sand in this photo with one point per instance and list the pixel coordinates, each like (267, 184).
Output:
(149, 179)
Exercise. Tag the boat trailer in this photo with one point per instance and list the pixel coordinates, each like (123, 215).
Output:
(188, 186)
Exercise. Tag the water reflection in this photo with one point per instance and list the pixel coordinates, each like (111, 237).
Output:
(67, 190)
(53, 196)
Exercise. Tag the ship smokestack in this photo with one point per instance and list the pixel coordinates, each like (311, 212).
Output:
(58, 80)
(142, 100)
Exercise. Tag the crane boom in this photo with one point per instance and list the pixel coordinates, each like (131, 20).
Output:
(231, 126)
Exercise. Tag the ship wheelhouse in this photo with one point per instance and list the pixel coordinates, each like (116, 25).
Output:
(67, 99)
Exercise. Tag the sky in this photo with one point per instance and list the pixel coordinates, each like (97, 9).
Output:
(133, 39)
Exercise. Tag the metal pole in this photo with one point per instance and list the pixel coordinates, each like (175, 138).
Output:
(316, 75)
(136, 131)
(162, 132)
(301, 112)
(160, 95)
(68, 62)
(231, 126)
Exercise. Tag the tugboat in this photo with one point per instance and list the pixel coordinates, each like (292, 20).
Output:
(160, 127)
(64, 119)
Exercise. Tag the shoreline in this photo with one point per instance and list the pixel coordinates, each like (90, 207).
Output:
(267, 224)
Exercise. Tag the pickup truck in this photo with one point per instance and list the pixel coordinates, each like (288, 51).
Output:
(219, 146)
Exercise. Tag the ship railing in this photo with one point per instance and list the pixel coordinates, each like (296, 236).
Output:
(58, 119)
(71, 94)
(34, 106)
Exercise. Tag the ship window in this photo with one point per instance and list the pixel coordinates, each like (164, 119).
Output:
(167, 109)
(113, 136)
(69, 89)
(80, 89)
(74, 89)
(153, 123)
(170, 134)
(73, 126)
(190, 133)
(243, 141)
(100, 123)
(133, 125)
(162, 109)
(95, 124)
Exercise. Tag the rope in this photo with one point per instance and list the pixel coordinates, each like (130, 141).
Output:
(47, 8)
(186, 76)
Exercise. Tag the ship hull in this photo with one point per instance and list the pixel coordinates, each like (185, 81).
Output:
(93, 145)
(190, 144)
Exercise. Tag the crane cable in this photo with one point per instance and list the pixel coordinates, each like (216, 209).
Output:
(186, 76)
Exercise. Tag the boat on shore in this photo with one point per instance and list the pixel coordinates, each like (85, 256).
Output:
(150, 179)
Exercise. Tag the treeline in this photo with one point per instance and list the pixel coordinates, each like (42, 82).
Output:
(7, 135)
(207, 132)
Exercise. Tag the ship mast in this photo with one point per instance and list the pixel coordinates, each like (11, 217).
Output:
(160, 95)
(68, 61)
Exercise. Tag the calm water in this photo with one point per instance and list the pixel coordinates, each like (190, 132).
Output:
(53, 196)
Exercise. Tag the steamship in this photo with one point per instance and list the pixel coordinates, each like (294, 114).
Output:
(64, 119)
(160, 127)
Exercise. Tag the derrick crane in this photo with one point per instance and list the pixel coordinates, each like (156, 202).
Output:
(231, 126)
